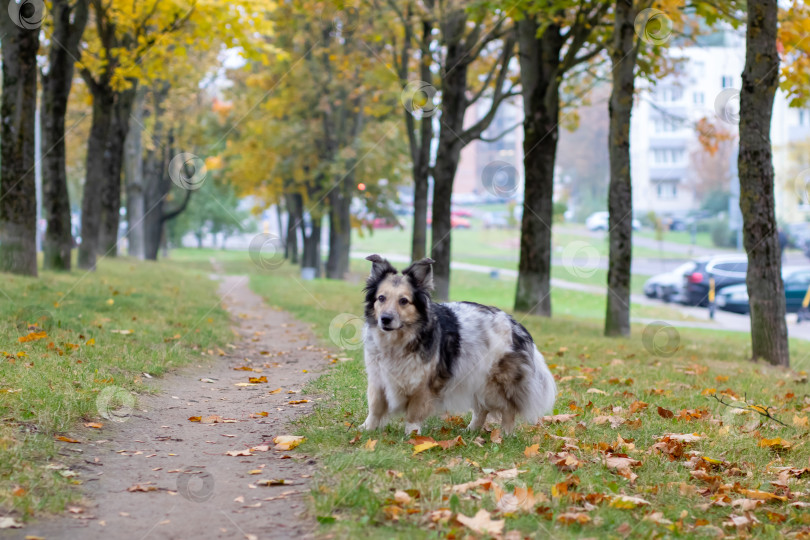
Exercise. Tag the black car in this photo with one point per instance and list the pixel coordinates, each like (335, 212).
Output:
(726, 269)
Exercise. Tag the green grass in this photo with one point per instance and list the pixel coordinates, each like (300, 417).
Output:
(49, 385)
(353, 492)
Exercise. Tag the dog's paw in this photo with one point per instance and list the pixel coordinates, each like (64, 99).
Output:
(368, 425)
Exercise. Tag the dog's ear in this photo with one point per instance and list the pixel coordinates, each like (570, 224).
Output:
(379, 267)
(422, 273)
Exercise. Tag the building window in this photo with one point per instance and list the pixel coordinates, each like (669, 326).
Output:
(698, 98)
(665, 125)
(667, 190)
(668, 156)
(668, 94)
(727, 81)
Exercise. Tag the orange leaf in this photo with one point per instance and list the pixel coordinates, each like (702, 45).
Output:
(261, 379)
(66, 439)
(32, 336)
(665, 413)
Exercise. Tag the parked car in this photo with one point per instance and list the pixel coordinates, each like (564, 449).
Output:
(797, 280)
(461, 212)
(669, 285)
(455, 222)
(598, 221)
(727, 270)
(495, 220)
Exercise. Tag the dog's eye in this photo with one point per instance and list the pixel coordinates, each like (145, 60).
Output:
(403, 301)
(381, 298)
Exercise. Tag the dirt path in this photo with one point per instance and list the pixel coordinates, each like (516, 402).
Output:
(199, 491)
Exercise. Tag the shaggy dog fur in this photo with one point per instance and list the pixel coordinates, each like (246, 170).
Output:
(424, 358)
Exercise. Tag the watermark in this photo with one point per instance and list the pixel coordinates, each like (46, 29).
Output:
(500, 178)
(653, 26)
(418, 98)
(195, 486)
(727, 106)
(661, 339)
(802, 186)
(33, 319)
(346, 331)
(115, 404)
(27, 14)
(187, 171)
(581, 259)
(343, 20)
(266, 251)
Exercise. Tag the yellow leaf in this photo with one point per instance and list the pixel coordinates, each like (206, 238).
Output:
(800, 421)
(91, 341)
(276, 391)
(32, 336)
(424, 446)
(370, 444)
(287, 442)
(531, 451)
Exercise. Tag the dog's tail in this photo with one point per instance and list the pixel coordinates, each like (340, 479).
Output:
(541, 391)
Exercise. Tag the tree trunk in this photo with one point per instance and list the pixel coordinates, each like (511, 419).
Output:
(294, 205)
(420, 154)
(95, 173)
(620, 196)
(539, 62)
(765, 288)
(18, 204)
(114, 157)
(133, 177)
(340, 230)
(454, 105)
(56, 85)
(311, 257)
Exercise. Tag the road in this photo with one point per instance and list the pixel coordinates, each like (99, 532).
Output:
(723, 320)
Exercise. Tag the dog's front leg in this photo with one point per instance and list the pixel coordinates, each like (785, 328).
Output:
(377, 407)
(419, 407)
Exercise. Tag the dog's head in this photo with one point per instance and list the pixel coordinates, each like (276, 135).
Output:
(395, 301)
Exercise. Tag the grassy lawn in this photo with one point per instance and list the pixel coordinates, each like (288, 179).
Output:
(601, 381)
(702, 239)
(74, 348)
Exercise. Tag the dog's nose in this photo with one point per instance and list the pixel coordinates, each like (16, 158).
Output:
(386, 319)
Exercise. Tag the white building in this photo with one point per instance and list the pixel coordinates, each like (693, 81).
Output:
(663, 131)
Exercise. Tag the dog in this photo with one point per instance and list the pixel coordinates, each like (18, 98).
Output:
(424, 358)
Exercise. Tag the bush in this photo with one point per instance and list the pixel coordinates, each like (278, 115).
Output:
(722, 234)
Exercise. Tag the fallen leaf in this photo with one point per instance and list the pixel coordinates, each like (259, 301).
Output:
(66, 439)
(482, 523)
(276, 391)
(8, 522)
(665, 413)
(570, 518)
(287, 442)
(402, 497)
(532, 451)
(595, 391)
(271, 482)
(94, 425)
(565, 461)
(559, 418)
(484, 483)
(141, 487)
(370, 444)
(424, 446)
(495, 436)
(32, 336)
(234, 453)
(256, 380)
(615, 421)
(627, 502)
(298, 401)
(776, 444)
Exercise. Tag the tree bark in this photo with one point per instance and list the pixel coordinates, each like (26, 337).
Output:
(454, 105)
(755, 165)
(420, 152)
(95, 172)
(539, 64)
(294, 209)
(133, 177)
(56, 83)
(340, 230)
(620, 196)
(311, 257)
(18, 205)
(114, 156)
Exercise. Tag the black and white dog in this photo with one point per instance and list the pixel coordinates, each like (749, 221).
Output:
(424, 358)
